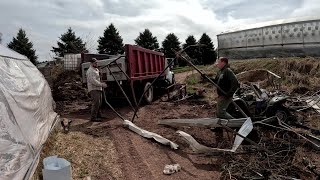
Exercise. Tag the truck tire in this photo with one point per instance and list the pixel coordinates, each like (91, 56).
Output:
(148, 96)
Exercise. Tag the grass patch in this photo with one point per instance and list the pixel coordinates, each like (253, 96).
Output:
(186, 68)
(300, 72)
(193, 79)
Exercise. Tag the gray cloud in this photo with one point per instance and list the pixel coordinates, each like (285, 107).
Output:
(45, 20)
(257, 9)
(127, 7)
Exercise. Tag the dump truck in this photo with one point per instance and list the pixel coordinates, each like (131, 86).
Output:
(134, 71)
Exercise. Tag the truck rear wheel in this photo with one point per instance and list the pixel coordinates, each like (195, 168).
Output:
(148, 96)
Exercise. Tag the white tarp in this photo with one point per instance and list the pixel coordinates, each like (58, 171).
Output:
(26, 115)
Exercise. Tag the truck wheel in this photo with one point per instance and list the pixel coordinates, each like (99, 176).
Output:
(148, 96)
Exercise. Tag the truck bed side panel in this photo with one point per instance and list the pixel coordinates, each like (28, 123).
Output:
(143, 63)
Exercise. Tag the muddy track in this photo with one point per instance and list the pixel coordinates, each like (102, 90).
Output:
(142, 158)
(130, 160)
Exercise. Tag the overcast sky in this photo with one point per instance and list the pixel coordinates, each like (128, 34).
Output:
(45, 20)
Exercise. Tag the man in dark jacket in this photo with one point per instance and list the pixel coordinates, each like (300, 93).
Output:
(228, 82)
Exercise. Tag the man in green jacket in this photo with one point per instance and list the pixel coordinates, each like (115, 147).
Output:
(228, 82)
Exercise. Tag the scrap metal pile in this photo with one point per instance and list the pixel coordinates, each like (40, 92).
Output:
(282, 131)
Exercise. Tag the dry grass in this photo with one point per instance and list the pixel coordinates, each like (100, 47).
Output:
(89, 155)
(295, 72)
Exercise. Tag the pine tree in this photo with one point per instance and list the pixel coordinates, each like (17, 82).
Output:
(192, 51)
(69, 43)
(22, 45)
(111, 42)
(146, 40)
(170, 42)
(207, 52)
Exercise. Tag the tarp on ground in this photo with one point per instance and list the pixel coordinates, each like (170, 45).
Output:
(26, 115)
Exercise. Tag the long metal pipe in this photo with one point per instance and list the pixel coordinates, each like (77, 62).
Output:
(124, 93)
(140, 100)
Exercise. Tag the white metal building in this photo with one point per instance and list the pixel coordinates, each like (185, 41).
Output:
(281, 38)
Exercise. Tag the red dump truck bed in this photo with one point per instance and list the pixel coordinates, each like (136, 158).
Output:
(143, 63)
(132, 72)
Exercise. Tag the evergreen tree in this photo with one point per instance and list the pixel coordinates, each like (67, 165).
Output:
(170, 42)
(22, 45)
(110, 42)
(192, 51)
(146, 40)
(207, 53)
(69, 43)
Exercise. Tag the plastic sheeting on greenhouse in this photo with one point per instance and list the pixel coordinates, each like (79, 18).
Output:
(26, 115)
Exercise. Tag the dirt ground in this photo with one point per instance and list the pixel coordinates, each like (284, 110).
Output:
(107, 150)
(134, 157)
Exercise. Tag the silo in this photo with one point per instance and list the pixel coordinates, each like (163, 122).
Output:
(282, 38)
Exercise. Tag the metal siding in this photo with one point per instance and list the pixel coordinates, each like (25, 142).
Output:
(238, 39)
(292, 33)
(220, 39)
(254, 37)
(281, 40)
(243, 39)
(226, 41)
(311, 32)
(272, 35)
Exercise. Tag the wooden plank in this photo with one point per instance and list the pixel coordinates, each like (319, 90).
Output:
(203, 122)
